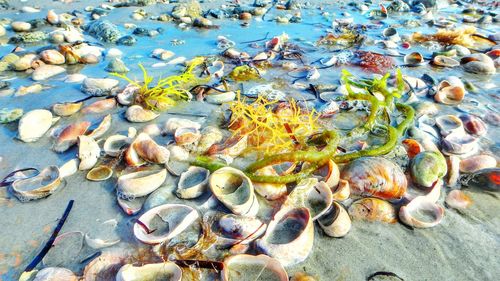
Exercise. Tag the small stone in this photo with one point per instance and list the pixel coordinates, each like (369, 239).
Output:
(179, 11)
(90, 59)
(117, 65)
(46, 71)
(56, 38)
(2, 30)
(99, 87)
(20, 26)
(127, 40)
(245, 16)
(52, 57)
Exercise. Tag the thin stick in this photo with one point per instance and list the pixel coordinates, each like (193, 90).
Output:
(258, 40)
(52, 238)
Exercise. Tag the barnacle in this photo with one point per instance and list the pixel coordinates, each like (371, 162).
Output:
(168, 91)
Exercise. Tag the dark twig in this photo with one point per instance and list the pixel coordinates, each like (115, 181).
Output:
(215, 265)
(6, 181)
(258, 40)
(52, 238)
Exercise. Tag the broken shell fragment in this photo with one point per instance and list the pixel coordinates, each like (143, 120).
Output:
(244, 267)
(167, 271)
(342, 191)
(421, 213)
(149, 150)
(414, 59)
(457, 199)
(192, 183)
(38, 186)
(66, 109)
(137, 114)
(115, 144)
(88, 152)
(474, 125)
(289, 236)
(140, 183)
(336, 221)
(102, 128)
(476, 163)
(235, 229)
(373, 209)
(164, 222)
(459, 144)
(314, 195)
(69, 168)
(69, 136)
(173, 124)
(34, 124)
(186, 135)
(100, 173)
(448, 124)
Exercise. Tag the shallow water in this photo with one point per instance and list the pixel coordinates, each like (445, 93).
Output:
(463, 247)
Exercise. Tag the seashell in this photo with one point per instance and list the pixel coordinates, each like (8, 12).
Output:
(31, 89)
(375, 176)
(107, 264)
(329, 173)
(267, 91)
(459, 144)
(69, 168)
(52, 57)
(391, 33)
(414, 59)
(99, 173)
(99, 87)
(335, 222)
(289, 236)
(314, 195)
(47, 71)
(232, 53)
(234, 190)
(164, 222)
(131, 206)
(52, 17)
(88, 152)
(75, 78)
(34, 124)
(162, 54)
(66, 109)
(270, 191)
(136, 113)
(186, 135)
(232, 230)
(167, 271)
(312, 74)
(428, 167)
(486, 179)
(247, 267)
(23, 63)
(477, 163)
(421, 213)
(126, 97)
(69, 136)
(39, 186)
(177, 60)
(474, 125)
(140, 183)
(456, 199)
(448, 124)
(412, 147)
(176, 167)
(152, 130)
(100, 106)
(114, 144)
(178, 152)
(149, 150)
(102, 128)
(444, 61)
(173, 124)
(329, 61)
(216, 69)
(342, 191)
(220, 98)
(453, 170)
(10, 115)
(232, 147)
(28, 9)
(478, 63)
(450, 95)
(373, 209)
(210, 135)
(192, 183)
(20, 26)
(90, 59)
(55, 274)
(107, 228)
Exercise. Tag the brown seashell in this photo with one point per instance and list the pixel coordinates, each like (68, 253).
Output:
(373, 209)
(52, 57)
(458, 200)
(90, 59)
(450, 95)
(69, 136)
(476, 163)
(66, 109)
(245, 16)
(100, 106)
(186, 135)
(444, 61)
(37, 63)
(149, 150)
(473, 125)
(342, 191)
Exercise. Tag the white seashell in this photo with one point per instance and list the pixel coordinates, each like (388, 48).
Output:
(177, 60)
(140, 183)
(114, 53)
(220, 97)
(34, 124)
(69, 168)
(288, 245)
(46, 71)
(421, 206)
(270, 191)
(173, 124)
(131, 206)
(167, 271)
(186, 135)
(314, 195)
(24, 62)
(20, 26)
(102, 128)
(449, 124)
(152, 130)
(458, 143)
(336, 221)
(55, 274)
(176, 217)
(178, 153)
(453, 170)
(234, 190)
(136, 113)
(192, 183)
(75, 78)
(39, 186)
(115, 144)
(329, 61)
(216, 69)
(29, 9)
(477, 163)
(210, 135)
(342, 191)
(312, 74)
(458, 200)
(126, 97)
(148, 149)
(247, 267)
(88, 152)
(52, 57)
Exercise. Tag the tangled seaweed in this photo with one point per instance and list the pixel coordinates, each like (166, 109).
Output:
(466, 37)
(168, 91)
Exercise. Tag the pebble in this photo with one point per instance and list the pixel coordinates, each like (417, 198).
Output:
(20, 26)
(52, 57)
(2, 30)
(46, 71)
(99, 87)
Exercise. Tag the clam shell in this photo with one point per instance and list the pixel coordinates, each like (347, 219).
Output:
(55, 274)
(235, 229)
(99, 87)
(39, 186)
(453, 170)
(209, 136)
(167, 271)
(178, 153)
(336, 221)
(115, 143)
(459, 144)
(270, 191)
(69, 168)
(166, 220)
(131, 206)
(458, 200)
(234, 190)
(102, 128)
(474, 125)
(105, 266)
(421, 213)
(88, 152)
(414, 59)
(476, 163)
(140, 183)
(486, 179)
(69, 136)
(329, 173)
(373, 209)
(100, 106)
(47, 71)
(244, 267)
(450, 95)
(192, 183)
(137, 114)
(186, 135)
(289, 236)
(173, 124)
(149, 150)
(375, 176)
(448, 124)
(314, 195)
(66, 109)
(444, 61)
(34, 124)
(126, 97)
(342, 191)
(99, 173)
